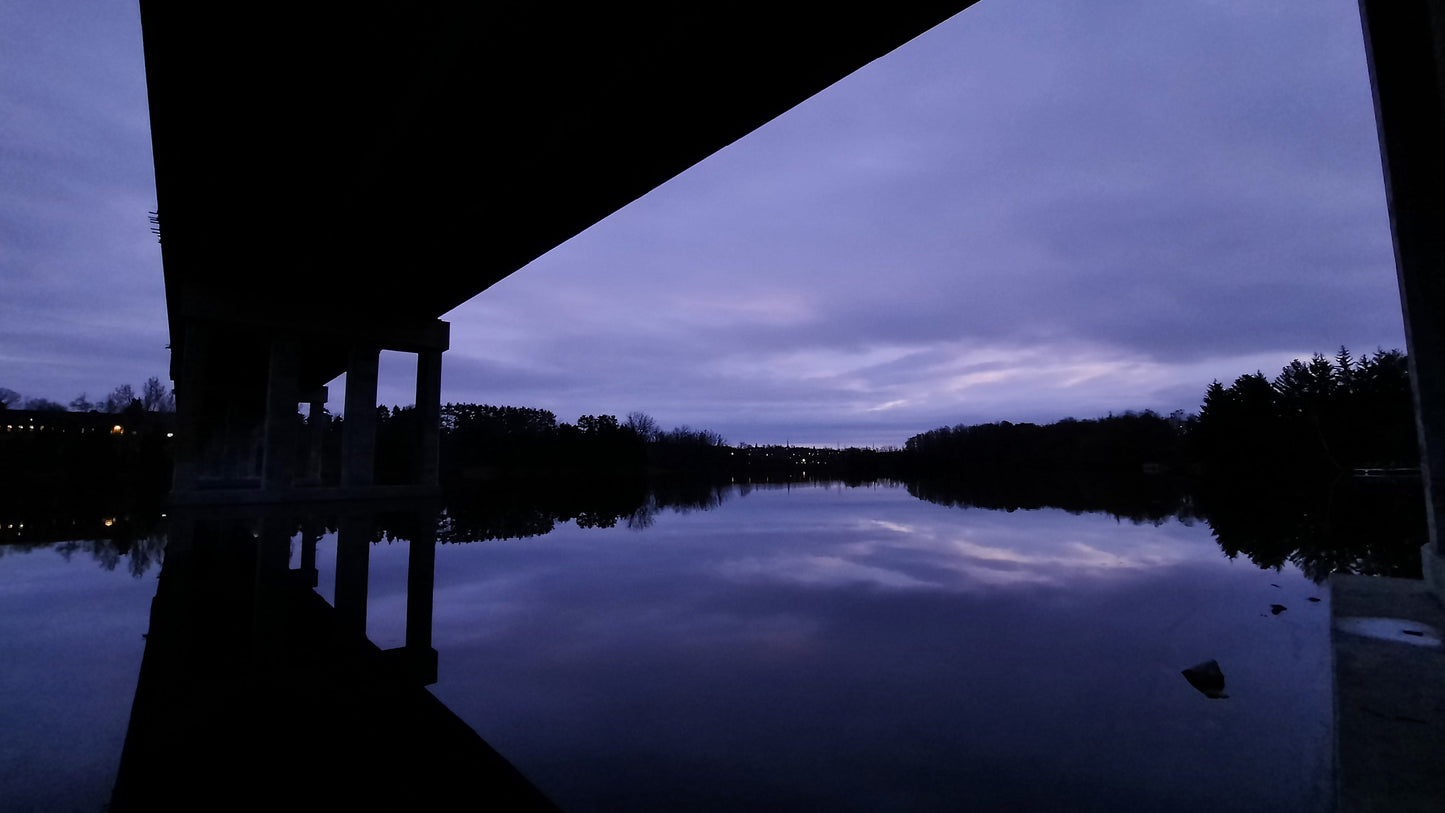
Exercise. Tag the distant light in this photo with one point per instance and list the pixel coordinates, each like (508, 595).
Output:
(169, 435)
(117, 430)
(109, 522)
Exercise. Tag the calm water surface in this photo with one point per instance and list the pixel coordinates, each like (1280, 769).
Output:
(813, 648)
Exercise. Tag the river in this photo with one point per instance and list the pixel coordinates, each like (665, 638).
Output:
(809, 647)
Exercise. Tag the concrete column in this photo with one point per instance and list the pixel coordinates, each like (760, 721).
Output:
(358, 436)
(429, 414)
(190, 404)
(353, 560)
(1403, 42)
(279, 442)
(317, 422)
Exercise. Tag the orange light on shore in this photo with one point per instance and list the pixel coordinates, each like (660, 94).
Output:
(117, 430)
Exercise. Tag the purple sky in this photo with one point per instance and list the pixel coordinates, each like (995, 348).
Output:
(1037, 209)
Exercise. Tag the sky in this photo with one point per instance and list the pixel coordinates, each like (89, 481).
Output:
(1038, 209)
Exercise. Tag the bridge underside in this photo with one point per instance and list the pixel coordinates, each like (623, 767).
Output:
(331, 182)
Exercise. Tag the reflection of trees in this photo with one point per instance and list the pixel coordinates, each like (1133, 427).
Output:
(106, 528)
(140, 554)
(1369, 526)
(1138, 498)
(533, 508)
(1373, 526)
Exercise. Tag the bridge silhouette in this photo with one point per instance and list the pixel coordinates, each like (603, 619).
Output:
(330, 182)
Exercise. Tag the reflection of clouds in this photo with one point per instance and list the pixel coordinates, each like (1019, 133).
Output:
(1035, 549)
(895, 527)
(825, 571)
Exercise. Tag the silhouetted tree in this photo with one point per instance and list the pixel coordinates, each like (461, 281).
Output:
(156, 398)
(643, 426)
(9, 398)
(119, 398)
(81, 404)
(44, 405)
(1320, 415)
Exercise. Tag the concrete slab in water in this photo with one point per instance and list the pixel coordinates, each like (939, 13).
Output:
(1389, 695)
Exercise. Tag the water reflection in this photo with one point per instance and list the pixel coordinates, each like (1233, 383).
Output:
(1372, 526)
(855, 649)
(1366, 525)
(246, 669)
(755, 648)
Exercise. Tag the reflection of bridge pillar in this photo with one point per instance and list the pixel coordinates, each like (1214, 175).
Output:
(1403, 39)
(273, 554)
(429, 414)
(307, 573)
(420, 581)
(358, 435)
(353, 552)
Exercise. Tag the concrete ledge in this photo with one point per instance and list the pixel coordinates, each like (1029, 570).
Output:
(1389, 695)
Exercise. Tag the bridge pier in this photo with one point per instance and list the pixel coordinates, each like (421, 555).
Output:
(1405, 49)
(429, 414)
(358, 436)
(282, 392)
(317, 425)
(238, 387)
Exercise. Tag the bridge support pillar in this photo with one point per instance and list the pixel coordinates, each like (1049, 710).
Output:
(279, 449)
(358, 436)
(185, 473)
(1405, 49)
(317, 424)
(429, 414)
(238, 386)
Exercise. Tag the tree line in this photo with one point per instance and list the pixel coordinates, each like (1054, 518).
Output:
(154, 397)
(1324, 416)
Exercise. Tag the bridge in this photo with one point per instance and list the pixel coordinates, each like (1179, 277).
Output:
(331, 182)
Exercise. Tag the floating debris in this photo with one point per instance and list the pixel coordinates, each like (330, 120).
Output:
(1208, 678)
(1276, 609)
(1315, 600)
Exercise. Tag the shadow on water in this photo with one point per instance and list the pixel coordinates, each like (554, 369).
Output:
(255, 693)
